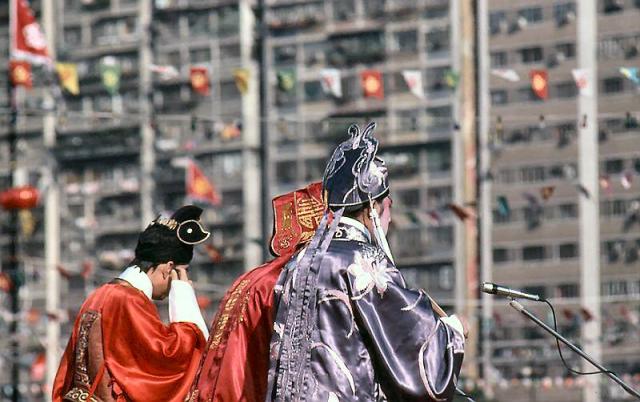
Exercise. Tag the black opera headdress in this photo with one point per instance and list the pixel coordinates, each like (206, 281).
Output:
(172, 239)
(354, 174)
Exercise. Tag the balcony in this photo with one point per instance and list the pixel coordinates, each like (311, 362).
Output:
(360, 48)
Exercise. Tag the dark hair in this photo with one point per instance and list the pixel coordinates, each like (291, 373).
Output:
(144, 266)
(159, 244)
(355, 211)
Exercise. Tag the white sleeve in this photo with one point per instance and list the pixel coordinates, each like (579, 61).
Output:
(183, 306)
(454, 322)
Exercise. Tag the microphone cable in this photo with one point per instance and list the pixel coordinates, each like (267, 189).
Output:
(573, 371)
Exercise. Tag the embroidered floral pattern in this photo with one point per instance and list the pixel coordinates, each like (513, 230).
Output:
(369, 274)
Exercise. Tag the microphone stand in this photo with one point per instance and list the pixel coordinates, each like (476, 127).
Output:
(519, 307)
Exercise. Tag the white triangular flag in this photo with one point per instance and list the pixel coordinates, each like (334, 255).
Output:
(581, 77)
(330, 81)
(413, 78)
(626, 179)
(506, 74)
(165, 72)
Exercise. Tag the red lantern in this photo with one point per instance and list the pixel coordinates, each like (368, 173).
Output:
(25, 197)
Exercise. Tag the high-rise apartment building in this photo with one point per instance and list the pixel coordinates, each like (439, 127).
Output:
(305, 39)
(103, 141)
(536, 190)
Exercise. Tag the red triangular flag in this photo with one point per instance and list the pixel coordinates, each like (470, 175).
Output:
(20, 73)
(199, 187)
(27, 40)
(200, 80)
(539, 83)
(214, 254)
(38, 368)
(460, 212)
(203, 302)
(372, 84)
(87, 268)
(64, 272)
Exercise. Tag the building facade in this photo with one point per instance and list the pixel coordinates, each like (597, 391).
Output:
(536, 190)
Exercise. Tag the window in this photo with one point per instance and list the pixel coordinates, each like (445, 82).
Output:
(437, 196)
(343, 10)
(532, 174)
(284, 54)
(532, 15)
(498, 59)
(405, 41)
(313, 53)
(439, 157)
(436, 11)
(568, 250)
(72, 36)
(536, 290)
(501, 255)
(636, 165)
(286, 172)
(567, 49)
(498, 97)
(439, 118)
(612, 6)
(402, 163)
(531, 55)
(438, 39)
(314, 169)
(567, 211)
(564, 12)
(614, 288)
(533, 253)
(497, 19)
(613, 166)
(200, 55)
(408, 198)
(229, 90)
(526, 94)
(612, 85)
(199, 23)
(374, 8)
(568, 290)
(408, 120)
(313, 91)
(566, 90)
(229, 52)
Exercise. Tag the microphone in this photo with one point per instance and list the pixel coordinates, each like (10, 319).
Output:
(492, 288)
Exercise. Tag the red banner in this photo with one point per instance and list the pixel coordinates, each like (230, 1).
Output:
(540, 83)
(20, 72)
(27, 40)
(372, 84)
(200, 80)
(199, 187)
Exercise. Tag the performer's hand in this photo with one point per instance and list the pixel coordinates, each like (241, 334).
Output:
(181, 273)
(465, 326)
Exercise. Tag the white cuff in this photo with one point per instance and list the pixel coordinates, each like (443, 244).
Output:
(183, 306)
(454, 322)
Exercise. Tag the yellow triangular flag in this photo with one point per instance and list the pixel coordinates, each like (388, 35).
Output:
(68, 73)
(241, 75)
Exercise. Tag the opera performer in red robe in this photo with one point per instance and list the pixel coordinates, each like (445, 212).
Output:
(120, 350)
(235, 365)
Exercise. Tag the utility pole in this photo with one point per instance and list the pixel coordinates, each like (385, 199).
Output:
(147, 155)
(485, 187)
(51, 208)
(264, 127)
(464, 151)
(589, 203)
(11, 264)
(253, 143)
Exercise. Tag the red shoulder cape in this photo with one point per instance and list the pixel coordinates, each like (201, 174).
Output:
(146, 359)
(236, 361)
